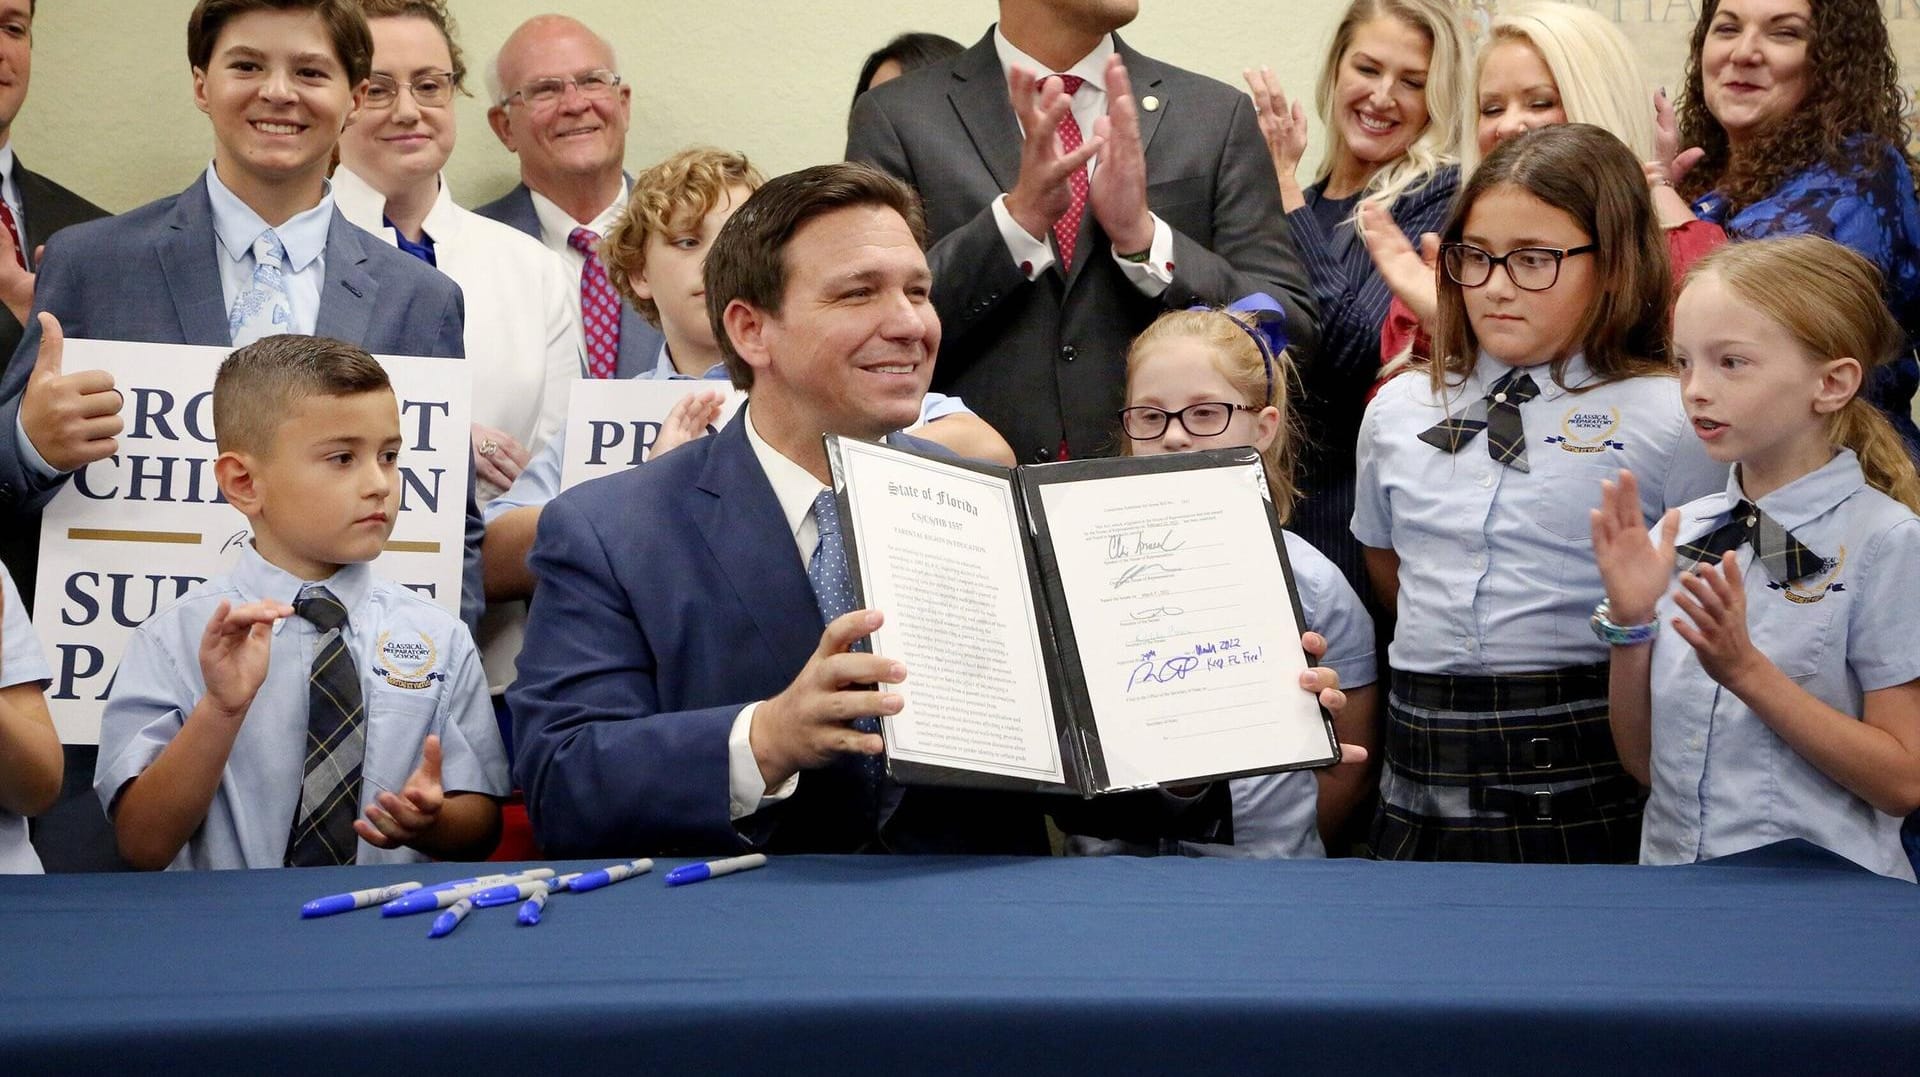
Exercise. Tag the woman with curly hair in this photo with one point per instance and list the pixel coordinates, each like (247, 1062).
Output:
(1798, 108)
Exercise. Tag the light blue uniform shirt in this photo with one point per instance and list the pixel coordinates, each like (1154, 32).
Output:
(1278, 815)
(1723, 780)
(1496, 565)
(248, 823)
(539, 481)
(235, 228)
(22, 661)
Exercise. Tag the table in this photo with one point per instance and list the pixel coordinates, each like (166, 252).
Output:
(1781, 960)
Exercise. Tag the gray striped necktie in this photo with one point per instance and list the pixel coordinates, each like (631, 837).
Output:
(336, 743)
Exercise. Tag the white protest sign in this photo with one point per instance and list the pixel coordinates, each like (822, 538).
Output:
(612, 425)
(130, 534)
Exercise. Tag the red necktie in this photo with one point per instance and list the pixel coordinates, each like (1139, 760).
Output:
(599, 307)
(1066, 230)
(13, 229)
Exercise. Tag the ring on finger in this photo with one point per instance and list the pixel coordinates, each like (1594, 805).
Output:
(489, 447)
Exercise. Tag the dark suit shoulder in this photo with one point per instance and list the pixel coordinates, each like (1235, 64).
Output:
(51, 203)
(514, 209)
(659, 486)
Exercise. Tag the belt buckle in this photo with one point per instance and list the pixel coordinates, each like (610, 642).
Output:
(1542, 752)
(1543, 805)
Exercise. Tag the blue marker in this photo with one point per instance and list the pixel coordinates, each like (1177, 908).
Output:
(509, 893)
(713, 869)
(444, 924)
(530, 912)
(483, 880)
(607, 876)
(359, 899)
(430, 899)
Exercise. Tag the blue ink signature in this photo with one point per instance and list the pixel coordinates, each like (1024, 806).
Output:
(1153, 670)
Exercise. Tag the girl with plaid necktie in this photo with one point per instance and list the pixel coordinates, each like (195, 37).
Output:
(1775, 692)
(1477, 475)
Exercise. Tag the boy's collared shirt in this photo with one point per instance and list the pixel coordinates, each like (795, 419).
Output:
(22, 661)
(235, 228)
(1723, 780)
(419, 674)
(1496, 565)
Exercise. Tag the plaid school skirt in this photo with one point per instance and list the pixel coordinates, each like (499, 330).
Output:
(1518, 768)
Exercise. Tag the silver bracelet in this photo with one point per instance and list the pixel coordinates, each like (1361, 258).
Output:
(1620, 635)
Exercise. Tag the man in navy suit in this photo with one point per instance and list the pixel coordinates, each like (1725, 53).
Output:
(558, 104)
(279, 81)
(677, 694)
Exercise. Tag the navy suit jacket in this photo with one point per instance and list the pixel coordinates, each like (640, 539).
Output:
(671, 596)
(150, 275)
(639, 340)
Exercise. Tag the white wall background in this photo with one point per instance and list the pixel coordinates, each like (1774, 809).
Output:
(111, 113)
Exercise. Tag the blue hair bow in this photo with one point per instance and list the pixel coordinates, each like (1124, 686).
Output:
(1265, 322)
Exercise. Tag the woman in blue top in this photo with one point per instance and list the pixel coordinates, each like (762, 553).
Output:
(1798, 107)
(1391, 96)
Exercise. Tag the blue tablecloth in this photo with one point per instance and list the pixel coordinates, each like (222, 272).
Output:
(1790, 962)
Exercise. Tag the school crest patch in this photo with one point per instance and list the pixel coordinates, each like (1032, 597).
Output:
(1816, 585)
(408, 663)
(1588, 430)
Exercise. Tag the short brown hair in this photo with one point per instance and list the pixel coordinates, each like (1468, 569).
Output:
(748, 260)
(1591, 176)
(433, 11)
(346, 27)
(676, 193)
(259, 385)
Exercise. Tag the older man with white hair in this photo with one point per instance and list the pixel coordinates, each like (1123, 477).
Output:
(559, 104)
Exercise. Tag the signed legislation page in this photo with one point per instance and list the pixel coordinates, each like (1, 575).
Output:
(1184, 624)
(938, 549)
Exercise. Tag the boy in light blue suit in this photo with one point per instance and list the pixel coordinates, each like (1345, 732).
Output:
(253, 247)
(300, 711)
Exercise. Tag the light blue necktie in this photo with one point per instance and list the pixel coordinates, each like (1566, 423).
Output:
(264, 308)
(833, 589)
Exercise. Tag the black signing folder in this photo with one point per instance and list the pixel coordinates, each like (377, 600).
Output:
(1083, 627)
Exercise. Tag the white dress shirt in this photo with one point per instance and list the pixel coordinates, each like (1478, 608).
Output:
(523, 325)
(795, 488)
(1035, 256)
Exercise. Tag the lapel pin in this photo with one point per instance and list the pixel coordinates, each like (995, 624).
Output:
(1150, 103)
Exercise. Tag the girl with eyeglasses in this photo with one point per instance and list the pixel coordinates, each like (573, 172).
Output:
(1213, 379)
(1477, 476)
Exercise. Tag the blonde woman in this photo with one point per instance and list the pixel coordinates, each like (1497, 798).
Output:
(1543, 64)
(1390, 98)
